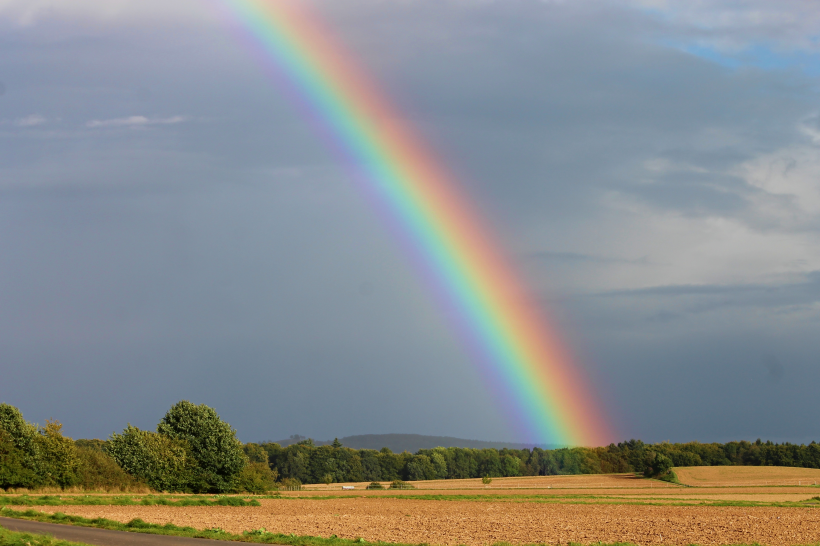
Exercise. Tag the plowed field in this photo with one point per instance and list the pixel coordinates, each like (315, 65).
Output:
(477, 523)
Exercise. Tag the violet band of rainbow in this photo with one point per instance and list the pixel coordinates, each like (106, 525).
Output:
(547, 395)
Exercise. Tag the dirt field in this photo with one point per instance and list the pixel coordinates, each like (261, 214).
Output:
(477, 523)
(737, 476)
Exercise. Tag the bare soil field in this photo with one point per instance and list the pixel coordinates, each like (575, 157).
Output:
(737, 476)
(477, 523)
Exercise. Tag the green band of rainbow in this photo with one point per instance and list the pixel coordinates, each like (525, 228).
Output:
(506, 331)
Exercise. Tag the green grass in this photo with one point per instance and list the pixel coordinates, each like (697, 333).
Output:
(12, 538)
(150, 500)
(153, 500)
(586, 499)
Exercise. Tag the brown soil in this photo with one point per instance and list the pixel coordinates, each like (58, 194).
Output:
(737, 476)
(477, 523)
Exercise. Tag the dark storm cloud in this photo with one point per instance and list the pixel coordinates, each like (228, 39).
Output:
(172, 228)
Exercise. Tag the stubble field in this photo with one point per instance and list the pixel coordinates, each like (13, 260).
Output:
(550, 510)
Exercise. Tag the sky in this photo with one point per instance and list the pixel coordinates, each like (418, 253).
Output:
(172, 227)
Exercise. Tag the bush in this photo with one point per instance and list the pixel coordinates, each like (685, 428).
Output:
(375, 485)
(57, 456)
(290, 484)
(486, 480)
(32, 456)
(211, 442)
(15, 472)
(257, 478)
(161, 462)
(398, 484)
(657, 464)
(98, 471)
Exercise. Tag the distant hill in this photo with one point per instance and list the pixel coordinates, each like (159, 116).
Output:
(398, 443)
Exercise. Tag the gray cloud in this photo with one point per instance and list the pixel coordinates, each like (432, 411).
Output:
(661, 204)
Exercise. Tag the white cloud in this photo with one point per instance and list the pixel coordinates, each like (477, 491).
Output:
(731, 26)
(134, 121)
(30, 121)
(31, 12)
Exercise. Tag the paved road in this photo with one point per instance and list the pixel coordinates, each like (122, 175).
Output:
(101, 537)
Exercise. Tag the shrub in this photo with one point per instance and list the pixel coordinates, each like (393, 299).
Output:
(257, 478)
(290, 484)
(33, 456)
(15, 472)
(398, 484)
(161, 462)
(375, 485)
(58, 458)
(657, 464)
(98, 471)
(486, 480)
(327, 479)
(18, 450)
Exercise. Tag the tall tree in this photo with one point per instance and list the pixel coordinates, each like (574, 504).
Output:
(212, 443)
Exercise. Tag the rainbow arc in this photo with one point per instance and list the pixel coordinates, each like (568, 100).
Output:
(507, 335)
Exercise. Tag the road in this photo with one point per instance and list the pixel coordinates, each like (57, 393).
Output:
(100, 537)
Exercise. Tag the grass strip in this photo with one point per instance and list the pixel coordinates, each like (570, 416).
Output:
(156, 500)
(586, 499)
(13, 538)
(150, 500)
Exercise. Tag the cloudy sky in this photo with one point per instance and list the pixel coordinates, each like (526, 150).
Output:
(172, 228)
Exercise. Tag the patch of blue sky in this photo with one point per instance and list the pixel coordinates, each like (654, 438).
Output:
(759, 56)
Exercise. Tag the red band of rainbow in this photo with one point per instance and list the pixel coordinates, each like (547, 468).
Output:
(508, 336)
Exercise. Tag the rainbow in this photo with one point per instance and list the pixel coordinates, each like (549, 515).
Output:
(515, 347)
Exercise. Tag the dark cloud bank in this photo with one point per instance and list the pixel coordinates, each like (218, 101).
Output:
(662, 205)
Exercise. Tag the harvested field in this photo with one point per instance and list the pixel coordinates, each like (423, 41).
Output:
(738, 476)
(476, 523)
(509, 485)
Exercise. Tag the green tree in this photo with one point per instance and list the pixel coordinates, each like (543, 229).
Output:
(14, 470)
(257, 478)
(98, 471)
(256, 453)
(439, 459)
(656, 464)
(22, 433)
(212, 443)
(163, 463)
(58, 460)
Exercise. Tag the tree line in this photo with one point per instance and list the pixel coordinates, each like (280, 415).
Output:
(191, 450)
(311, 464)
(194, 450)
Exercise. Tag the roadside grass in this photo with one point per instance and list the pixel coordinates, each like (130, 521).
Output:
(12, 538)
(150, 500)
